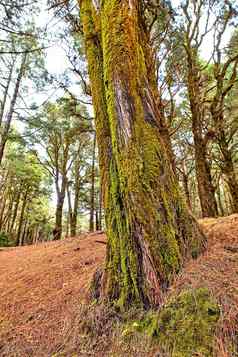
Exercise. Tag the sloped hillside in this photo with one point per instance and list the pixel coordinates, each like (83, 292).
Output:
(42, 286)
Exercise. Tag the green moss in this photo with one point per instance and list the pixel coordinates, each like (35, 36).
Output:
(147, 224)
(185, 326)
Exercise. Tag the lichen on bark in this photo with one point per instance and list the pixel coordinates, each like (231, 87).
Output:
(150, 231)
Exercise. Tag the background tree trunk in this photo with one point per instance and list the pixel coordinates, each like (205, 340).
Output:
(20, 224)
(206, 190)
(7, 124)
(92, 193)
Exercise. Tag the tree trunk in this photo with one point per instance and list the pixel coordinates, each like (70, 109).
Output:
(57, 231)
(92, 193)
(150, 231)
(70, 213)
(20, 224)
(6, 89)
(7, 125)
(100, 210)
(228, 170)
(206, 190)
(15, 210)
(74, 218)
(220, 204)
(186, 189)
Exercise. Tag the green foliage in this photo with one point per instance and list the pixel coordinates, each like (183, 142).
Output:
(4, 239)
(185, 326)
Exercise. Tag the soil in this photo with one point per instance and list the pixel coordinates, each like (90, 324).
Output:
(41, 285)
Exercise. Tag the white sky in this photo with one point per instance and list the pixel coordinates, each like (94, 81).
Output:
(57, 62)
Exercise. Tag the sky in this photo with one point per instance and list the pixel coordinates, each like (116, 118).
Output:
(56, 60)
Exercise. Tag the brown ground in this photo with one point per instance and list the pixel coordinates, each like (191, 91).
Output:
(41, 286)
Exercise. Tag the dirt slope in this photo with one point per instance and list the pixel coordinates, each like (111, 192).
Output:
(40, 286)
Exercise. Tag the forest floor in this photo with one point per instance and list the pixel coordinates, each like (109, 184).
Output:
(42, 288)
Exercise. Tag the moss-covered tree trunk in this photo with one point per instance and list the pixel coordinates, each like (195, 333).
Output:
(228, 169)
(150, 231)
(206, 190)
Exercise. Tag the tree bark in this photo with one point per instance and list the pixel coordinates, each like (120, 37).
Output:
(92, 193)
(150, 231)
(229, 171)
(20, 224)
(7, 125)
(74, 218)
(3, 104)
(186, 189)
(57, 231)
(206, 190)
(17, 201)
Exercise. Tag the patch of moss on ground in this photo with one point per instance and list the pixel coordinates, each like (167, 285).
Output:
(184, 327)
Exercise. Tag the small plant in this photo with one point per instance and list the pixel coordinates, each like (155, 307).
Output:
(4, 239)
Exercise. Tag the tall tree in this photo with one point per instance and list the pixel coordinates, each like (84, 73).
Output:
(150, 231)
(92, 193)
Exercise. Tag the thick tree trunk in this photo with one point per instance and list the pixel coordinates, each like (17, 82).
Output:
(150, 231)
(206, 190)
(233, 188)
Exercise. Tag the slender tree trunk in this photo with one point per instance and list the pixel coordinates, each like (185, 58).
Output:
(20, 224)
(57, 231)
(70, 213)
(186, 189)
(100, 210)
(3, 205)
(229, 170)
(150, 231)
(220, 204)
(58, 218)
(14, 216)
(92, 193)
(97, 219)
(10, 213)
(74, 218)
(7, 125)
(6, 89)
(24, 234)
(67, 225)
